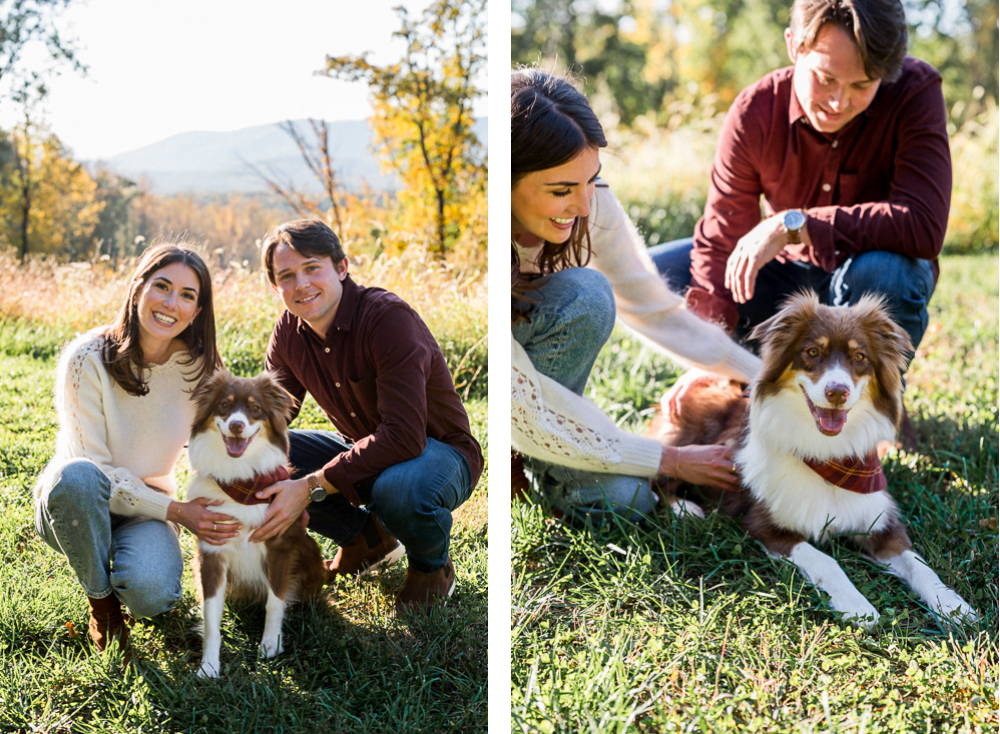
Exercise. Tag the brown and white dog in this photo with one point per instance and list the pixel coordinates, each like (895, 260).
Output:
(829, 391)
(239, 444)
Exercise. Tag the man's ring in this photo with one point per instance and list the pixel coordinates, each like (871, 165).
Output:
(216, 527)
(733, 470)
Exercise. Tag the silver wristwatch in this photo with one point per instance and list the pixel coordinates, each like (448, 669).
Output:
(794, 220)
(316, 491)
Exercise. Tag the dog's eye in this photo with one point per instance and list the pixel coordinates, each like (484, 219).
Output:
(859, 357)
(812, 352)
(224, 405)
(255, 409)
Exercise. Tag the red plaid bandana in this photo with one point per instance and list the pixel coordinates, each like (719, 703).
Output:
(863, 476)
(245, 491)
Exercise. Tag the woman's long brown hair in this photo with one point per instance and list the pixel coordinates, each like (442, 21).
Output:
(551, 123)
(122, 354)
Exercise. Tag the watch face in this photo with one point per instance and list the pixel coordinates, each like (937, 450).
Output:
(794, 219)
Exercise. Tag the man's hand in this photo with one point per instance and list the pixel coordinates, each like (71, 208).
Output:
(757, 248)
(291, 497)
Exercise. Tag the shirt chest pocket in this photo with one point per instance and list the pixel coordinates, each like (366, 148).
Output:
(362, 392)
(861, 187)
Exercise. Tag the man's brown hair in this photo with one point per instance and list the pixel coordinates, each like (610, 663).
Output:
(308, 237)
(878, 28)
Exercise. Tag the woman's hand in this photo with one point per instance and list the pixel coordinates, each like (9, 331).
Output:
(212, 527)
(709, 466)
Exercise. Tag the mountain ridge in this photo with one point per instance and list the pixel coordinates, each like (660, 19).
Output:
(198, 162)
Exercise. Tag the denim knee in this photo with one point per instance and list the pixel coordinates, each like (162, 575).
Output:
(568, 326)
(147, 596)
(71, 495)
(575, 298)
(405, 503)
(79, 485)
(905, 283)
(147, 566)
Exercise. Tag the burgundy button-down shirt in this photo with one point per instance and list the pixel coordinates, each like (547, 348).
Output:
(381, 379)
(883, 182)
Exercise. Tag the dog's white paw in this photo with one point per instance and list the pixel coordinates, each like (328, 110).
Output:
(271, 647)
(953, 609)
(859, 613)
(208, 669)
(682, 507)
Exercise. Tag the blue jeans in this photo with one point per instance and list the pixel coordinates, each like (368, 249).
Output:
(567, 328)
(413, 500)
(905, 282)
(136, 559)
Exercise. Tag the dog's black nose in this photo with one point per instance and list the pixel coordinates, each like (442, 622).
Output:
(237, 427)
(837, 393)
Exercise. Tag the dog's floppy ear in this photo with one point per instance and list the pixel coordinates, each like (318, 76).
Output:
(278, 397)
(780, 333)
(204, 396)
(894, 351)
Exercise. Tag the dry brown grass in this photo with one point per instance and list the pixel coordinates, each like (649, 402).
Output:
(65, 299)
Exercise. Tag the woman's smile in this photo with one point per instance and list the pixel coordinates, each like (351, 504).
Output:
(547, 203)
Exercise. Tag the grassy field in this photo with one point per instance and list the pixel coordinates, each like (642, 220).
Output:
(349, 664)
(681, 625)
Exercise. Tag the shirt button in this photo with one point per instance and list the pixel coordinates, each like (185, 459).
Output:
(327, 350)
(835, 143)
(826, 187)
(353, 416)
(337, 384)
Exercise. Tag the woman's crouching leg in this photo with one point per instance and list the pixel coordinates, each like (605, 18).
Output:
(73, 518)
(146, 566)
(579, 493)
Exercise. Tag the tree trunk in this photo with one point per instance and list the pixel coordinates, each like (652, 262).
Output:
(440, 222)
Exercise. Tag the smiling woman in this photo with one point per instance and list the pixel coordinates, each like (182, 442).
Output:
(562, 219)
(123, 400)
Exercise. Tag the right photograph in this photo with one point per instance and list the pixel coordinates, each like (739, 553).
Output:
(754, 338)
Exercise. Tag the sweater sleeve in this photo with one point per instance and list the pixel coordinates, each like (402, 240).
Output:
(553, 423)
(80, 387)
(648, 306)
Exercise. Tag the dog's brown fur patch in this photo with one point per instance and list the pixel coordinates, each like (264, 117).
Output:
(207, 573)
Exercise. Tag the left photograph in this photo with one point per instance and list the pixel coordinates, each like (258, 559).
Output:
(243, 348)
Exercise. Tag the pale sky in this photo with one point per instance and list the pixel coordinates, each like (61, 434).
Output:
(161, 68)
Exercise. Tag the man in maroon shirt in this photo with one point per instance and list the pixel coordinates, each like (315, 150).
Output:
(404, 449)
(847, 154)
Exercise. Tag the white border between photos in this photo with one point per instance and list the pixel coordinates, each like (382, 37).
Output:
(498, 71)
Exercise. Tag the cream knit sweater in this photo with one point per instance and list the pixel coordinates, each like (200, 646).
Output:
(552, 423)
(135, 441)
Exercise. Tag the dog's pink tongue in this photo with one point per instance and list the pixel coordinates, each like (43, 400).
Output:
(829, 420)
(235, 445)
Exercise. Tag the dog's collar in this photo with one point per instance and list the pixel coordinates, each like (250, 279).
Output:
(863, 476)
(245, 491)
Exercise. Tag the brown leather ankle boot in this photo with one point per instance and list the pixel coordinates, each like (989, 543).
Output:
(107, 621)
(421, 590)
(520, 488)
(371, 548)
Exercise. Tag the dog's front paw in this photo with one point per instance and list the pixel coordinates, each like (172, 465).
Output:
(859, 613)
(208, 669)
(271, 647)
(865, 620)
(953, 609)
(682, 507)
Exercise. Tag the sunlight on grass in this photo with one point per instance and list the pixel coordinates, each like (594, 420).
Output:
(681, 625)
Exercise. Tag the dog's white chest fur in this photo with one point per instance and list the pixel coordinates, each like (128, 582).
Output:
(245, 561)
(782, 434)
